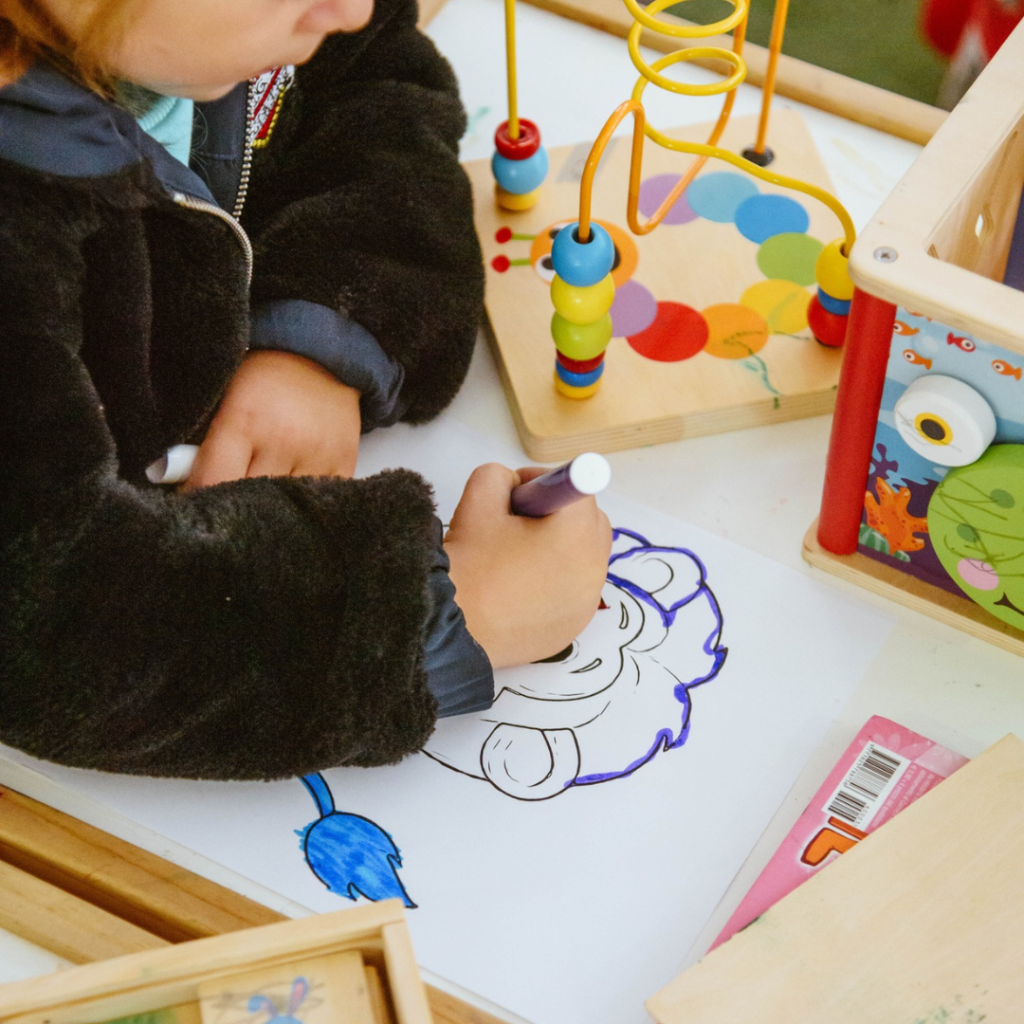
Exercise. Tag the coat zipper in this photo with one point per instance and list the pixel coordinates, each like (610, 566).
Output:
(243, 177)
(192, 203)
(232, 219)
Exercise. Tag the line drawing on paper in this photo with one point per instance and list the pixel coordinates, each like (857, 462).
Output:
(607, 704)
(597, 711)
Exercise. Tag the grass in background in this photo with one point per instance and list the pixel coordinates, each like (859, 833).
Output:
(876, 41)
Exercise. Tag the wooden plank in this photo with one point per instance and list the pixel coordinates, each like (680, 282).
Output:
(64, 924)
(923, 920)
(407, 994)
(145, 889)
(448, 1009)
(139, 887)
(825, 90)
(378, 996)
(930, 600)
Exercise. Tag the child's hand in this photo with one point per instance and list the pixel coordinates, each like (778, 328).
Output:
(527, 587)
(282, 415)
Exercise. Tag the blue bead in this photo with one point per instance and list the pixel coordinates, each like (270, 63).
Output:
(579, 380)
(520, 176)
(583, 263)
(840, 307)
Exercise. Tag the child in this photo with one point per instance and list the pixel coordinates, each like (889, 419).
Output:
(266, 268)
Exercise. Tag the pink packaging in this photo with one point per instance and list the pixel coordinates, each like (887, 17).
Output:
(883, 770)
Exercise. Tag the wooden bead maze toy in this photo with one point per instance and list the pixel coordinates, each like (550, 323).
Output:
(924, 489)
(709, 324)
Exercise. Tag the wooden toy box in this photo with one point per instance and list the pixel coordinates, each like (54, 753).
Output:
(939, 273)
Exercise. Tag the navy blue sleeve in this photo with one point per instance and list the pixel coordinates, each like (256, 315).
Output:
(459, 673)
(338, 344)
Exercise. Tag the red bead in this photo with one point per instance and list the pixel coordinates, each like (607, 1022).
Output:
(517, 149)
(828, 328)
(503, 235)
(580, 365)
(500, 264)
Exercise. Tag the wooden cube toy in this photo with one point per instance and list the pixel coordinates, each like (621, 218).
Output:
(924, 486)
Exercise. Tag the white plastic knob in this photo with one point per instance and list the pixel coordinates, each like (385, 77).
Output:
(945, 420)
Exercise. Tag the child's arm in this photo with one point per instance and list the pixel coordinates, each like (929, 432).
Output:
(262, 628)
(358, 207)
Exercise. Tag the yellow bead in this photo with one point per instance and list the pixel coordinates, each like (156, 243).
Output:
(511, 201)
(583, 305)
(831, 272)
(570, 392)
(581, 341)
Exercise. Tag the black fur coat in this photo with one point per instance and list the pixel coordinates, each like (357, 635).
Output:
(264, 627)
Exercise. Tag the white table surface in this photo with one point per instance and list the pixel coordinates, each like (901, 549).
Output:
(759, 488)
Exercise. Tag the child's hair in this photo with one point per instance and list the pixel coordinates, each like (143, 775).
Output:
(28, 31)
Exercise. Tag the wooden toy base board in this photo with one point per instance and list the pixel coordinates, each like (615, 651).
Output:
(914, 593)
(698, 263)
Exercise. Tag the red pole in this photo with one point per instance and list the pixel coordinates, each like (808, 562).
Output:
(861, 379)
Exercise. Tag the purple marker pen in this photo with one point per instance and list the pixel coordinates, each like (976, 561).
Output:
(588, 473)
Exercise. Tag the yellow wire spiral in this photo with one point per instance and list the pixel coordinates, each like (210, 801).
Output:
(647, 18)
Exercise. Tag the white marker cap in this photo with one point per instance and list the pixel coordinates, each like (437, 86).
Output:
(590, 473)
(174, 467)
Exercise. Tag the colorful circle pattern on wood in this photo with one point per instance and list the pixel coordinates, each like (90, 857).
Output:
(678, 332)
(672, 331)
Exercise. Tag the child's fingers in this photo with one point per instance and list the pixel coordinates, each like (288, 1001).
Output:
(271, 462)
(224, 455)
(526, 473)
(341, 464)
(486, 493)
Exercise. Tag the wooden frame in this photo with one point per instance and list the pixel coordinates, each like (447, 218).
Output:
(923, 597)
(972, 169)
(87, 895)
(172, 977)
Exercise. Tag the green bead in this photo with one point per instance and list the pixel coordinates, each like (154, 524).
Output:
(581, 341)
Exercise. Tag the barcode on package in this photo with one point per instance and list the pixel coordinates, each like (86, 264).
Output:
(866, 785)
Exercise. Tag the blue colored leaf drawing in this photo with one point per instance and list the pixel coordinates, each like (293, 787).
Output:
(350, 854)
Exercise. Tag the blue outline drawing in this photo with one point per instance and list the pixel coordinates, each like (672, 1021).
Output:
(617, 695)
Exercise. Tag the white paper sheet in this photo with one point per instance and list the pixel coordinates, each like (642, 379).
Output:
(561, 859)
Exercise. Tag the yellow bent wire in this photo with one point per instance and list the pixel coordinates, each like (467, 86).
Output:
(735, 58)
(641, 128)
(768, 89)
(510, 65)
(652, 73)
